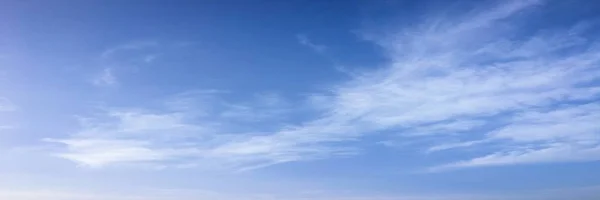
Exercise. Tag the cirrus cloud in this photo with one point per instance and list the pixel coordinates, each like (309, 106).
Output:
(467, 78)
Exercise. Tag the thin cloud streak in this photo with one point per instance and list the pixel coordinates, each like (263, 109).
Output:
(6, 105)
(438, 76)
(447, 73)
(304, 40)
(186, 132)
(105, 78)
(127, 47)
(460, 78)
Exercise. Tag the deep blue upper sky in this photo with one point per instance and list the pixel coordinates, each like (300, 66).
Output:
(264, 99)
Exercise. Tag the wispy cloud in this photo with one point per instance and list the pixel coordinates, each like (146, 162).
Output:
(7, 105)
(304, 40)
(131, 136)
(105, 78)
(127, 47)
(150, 58)
(465, 70)
(454, 76)
(559, 135)
(186, 131)
(462, 77)
(553, 152)
(263, 107)
(4, 127)
(126, 57)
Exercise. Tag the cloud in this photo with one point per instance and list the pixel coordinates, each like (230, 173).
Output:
(127, 47)
(454, 145)
(448, 78)
(98, 152)
(455, 77)
(569, 134)
(473, 78)
(472, 70)
(263, 107)
(124, 56)
(557, 152)
(130, 137)
(5, 127)
(188, 130)
(149, 58)
(6, 105)
(304, 40)
(105, 78)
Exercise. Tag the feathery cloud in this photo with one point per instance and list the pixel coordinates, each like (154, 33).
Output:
(453, 77)
(105, 78)
(463, 77)
(187, 131)
(6, 105)
(126, 47)
(304, 40)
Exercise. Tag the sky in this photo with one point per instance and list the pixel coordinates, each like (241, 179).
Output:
(297, 100)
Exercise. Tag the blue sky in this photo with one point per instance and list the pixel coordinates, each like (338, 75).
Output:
(343, 100)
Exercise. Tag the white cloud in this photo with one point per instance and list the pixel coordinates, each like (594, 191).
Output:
(468, 78)
(558, 152)
(195, 100)
(124, 57)
(304, 40)
(447, 127)
(454, 145)
(4, 127)
(184, 133)
(573, 123)
(98, 152)
(130, 137)
(440, 75)
(452, 77)
(127, 47)
(105, 78)
(150, 58)
(570, 134)
(6, 105)
(264, 107)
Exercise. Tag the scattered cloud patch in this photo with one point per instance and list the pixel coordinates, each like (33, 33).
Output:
(304, 40)
(191, 129)
(127, 47)
(149, 58)
(105, 78)
(131, 136)
(5, 127)
(7, 105)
